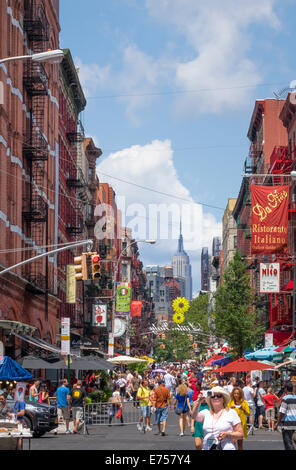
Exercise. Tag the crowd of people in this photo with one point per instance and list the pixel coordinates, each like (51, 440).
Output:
(217, 412)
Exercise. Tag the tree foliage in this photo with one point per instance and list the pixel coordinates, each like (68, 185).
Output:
(236, 318)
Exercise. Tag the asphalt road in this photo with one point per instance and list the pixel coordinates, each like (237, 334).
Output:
(128, 438)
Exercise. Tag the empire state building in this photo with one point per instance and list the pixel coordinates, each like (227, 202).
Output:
(182, 267)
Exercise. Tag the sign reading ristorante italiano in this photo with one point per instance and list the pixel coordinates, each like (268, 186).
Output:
(269, 223)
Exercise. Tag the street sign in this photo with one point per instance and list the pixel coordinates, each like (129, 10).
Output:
(99, 315)
(65, 336)
(269, 278)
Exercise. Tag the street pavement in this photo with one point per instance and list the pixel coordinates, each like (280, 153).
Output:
(127, 437)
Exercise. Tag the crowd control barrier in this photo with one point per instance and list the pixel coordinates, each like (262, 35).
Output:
(106, 414)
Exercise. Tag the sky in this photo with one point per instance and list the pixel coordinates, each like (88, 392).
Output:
(171, 86)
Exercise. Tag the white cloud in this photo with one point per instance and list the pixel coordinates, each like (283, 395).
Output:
(218, 33)
(152, 166)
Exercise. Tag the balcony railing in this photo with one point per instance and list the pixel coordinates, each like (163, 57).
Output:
(280, 160)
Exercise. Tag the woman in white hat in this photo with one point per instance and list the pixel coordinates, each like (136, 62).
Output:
(221, 425)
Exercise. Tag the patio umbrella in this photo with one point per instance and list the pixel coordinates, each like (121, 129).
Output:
(11, 370)
(213, 358)
(158, 371)
(31, 362)
(125, 360)
(223, 361)
(83, 363)
(268, 354)
(243, 365)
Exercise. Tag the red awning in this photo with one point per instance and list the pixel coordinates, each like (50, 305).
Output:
(280, 337)
(243, 365)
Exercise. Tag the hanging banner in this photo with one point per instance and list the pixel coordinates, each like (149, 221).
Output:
(269, 220)
(123, 298)
(99, 315)
(65, 336)
(71, 284)
(269, 278)
(136, 308)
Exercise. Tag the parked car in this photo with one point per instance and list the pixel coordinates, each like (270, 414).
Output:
(39, 417)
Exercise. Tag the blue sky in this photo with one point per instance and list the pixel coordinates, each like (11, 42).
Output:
(170, 88)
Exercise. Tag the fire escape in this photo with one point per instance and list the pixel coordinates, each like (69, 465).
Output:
(35, 147)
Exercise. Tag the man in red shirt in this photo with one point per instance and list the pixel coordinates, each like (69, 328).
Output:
(269, 401)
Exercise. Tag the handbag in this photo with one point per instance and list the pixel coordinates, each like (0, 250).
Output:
(119, 413)
(216, 446)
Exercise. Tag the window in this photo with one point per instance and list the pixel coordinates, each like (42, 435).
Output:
(235, 241)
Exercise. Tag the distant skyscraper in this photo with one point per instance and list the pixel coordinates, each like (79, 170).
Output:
(216, 247)
(182, 267)
(204, 269)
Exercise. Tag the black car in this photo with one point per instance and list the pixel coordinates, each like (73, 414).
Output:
(39, 417)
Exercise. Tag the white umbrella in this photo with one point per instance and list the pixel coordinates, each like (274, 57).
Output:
(125, 360)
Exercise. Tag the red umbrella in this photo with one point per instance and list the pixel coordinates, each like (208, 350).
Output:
(213, 358)
(243, 365)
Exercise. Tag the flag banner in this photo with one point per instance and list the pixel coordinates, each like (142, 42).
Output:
(71, 285)
(123, 298)
(269, 220)
(136, 308)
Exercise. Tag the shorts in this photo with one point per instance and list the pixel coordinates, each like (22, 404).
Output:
(161, 414)
(260, 410)
(270, 414)
(252, 410)
(64, 412)
(77, 412)
(145, 411)
(198, 430)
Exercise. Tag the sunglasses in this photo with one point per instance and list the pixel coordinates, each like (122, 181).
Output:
(217, 396)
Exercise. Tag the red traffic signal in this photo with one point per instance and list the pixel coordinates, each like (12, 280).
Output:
(95, 267)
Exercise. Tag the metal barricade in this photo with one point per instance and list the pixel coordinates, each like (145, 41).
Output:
(104, 414)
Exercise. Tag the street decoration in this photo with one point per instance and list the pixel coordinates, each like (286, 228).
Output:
(136, 308)
(178, 317)
(180, 305)
(123, 298)
(99, 317)
(269, 278)
(269, 222)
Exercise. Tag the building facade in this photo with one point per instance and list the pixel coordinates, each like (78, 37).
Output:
(29, 154)
(182, 267)
(229, 234)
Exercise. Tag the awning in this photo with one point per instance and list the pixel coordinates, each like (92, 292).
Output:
(289, 286)
(40, 343)
(243, 365)
(17, 326)
(82, 342)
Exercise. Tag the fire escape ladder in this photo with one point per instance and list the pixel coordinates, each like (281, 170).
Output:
(35, 146)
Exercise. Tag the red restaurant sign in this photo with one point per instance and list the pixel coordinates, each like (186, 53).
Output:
(269, 229)
(136, 308)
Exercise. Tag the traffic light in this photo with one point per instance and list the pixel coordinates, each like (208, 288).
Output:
(81, 267)
(95, 267)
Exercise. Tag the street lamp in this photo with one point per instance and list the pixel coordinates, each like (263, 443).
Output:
(111, 335)
(55, 57)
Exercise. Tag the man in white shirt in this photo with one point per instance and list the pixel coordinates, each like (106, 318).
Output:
(231, 385)
(169, 381)
(249, 397)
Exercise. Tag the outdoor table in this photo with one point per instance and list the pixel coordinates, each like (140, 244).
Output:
(9, 440)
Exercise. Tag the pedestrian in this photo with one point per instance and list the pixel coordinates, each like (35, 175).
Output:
(260, 406)
(143, 396)
(78, 396)
(287, 417)
(43, 394)
(240, 405)
(121, 382)
(197, 427)
(221, 425)
(116, 405)
(232, 383)
(161, 401)
(169, 381)
(63, 403)
(34, 392)
(249, 395)
(181, 406)
(269, 400)
(135, 384)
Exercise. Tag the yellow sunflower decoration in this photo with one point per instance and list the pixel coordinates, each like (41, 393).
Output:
(178, 317)
(180, 305)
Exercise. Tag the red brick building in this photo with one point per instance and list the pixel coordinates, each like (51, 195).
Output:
(28, 156)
